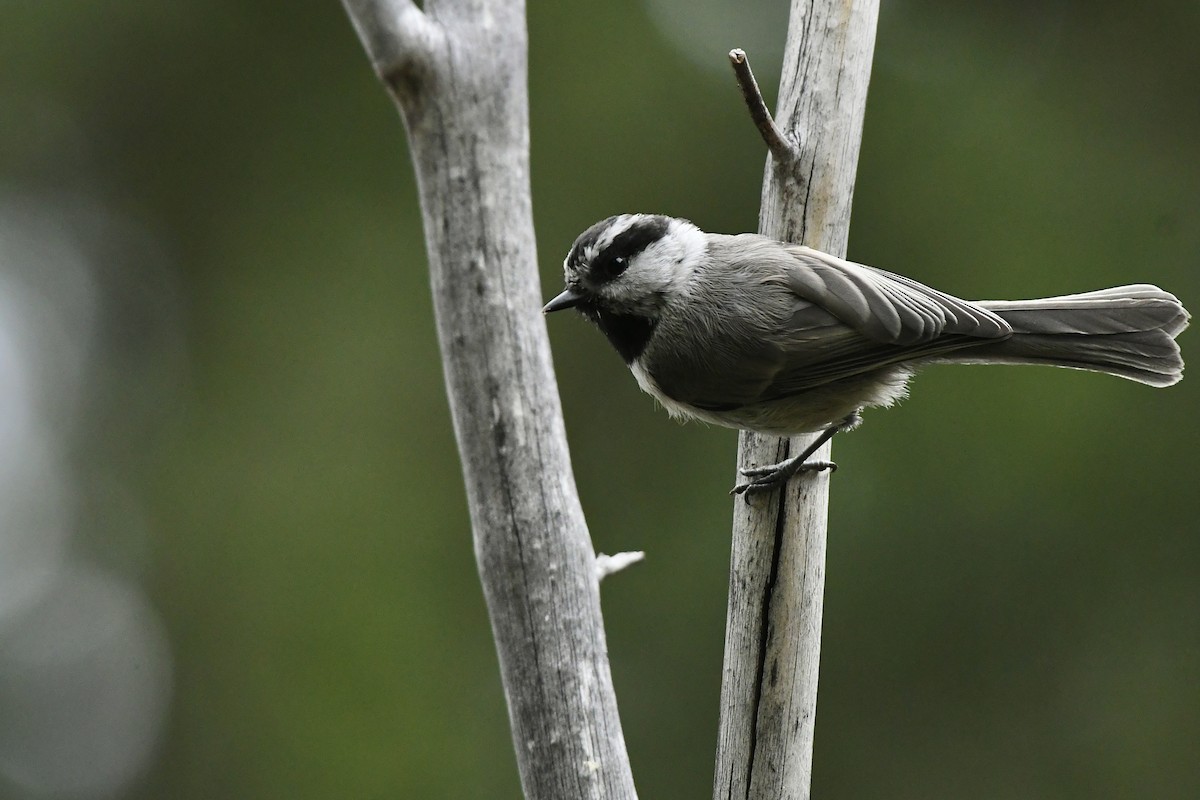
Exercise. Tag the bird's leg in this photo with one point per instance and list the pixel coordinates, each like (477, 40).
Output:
(763, 479)
(772, 476)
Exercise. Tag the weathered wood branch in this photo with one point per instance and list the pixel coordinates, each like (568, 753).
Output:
(458, 72)
(399, 38)
(777, 580)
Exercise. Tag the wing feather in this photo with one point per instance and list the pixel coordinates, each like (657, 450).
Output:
(886, 307)
(788, 325)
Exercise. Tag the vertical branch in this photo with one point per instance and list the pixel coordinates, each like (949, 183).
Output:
(777, 580)
(458, 71)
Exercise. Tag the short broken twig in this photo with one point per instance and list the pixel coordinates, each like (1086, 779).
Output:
(606, 565)
(777, 142)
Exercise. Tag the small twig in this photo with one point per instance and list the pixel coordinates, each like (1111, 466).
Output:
(775, 139)
(606, 565)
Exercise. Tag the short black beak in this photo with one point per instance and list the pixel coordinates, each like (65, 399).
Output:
(568, 299)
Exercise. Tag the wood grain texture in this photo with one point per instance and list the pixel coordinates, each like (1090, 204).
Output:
(777, 580)
(458, 71)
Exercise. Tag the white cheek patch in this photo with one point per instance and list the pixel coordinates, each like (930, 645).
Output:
(690, 243)
(668, 264)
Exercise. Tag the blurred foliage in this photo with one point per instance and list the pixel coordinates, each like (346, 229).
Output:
(1012, 606)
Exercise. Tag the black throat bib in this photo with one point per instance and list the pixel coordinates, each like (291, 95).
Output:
(628, 333)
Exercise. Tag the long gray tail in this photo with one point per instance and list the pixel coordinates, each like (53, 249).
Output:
(1128, 331)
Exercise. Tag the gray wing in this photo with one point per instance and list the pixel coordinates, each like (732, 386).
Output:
(805, 321)
(851, 319)
(885, 307)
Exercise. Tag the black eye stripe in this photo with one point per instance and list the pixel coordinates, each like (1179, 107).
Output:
(615, 258)
(615, 265)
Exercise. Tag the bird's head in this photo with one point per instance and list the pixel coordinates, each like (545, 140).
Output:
(629, 265)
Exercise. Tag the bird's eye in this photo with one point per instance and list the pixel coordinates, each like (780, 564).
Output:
(617, 265)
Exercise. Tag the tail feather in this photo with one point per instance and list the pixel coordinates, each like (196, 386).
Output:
(1127, 331)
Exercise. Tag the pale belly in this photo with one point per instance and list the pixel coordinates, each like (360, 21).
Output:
(812, 410)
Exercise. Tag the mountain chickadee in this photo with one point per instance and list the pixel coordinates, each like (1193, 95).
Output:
(748, 332)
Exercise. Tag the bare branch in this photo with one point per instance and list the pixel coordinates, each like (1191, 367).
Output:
(775, 139)
(469, 139)
(777, 580)
(606, 565)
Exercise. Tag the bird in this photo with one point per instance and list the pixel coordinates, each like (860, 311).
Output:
(747, 332)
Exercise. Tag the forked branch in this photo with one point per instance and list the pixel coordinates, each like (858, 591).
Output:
(469, 139)
(399, 38)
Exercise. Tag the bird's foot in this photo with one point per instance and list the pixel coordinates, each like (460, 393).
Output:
(764, 479)
(773, 476)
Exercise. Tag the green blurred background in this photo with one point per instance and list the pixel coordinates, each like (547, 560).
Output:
(235, 559)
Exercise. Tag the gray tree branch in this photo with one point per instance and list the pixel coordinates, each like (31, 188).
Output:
(399, 39)
(777, 580)
(458, 71)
